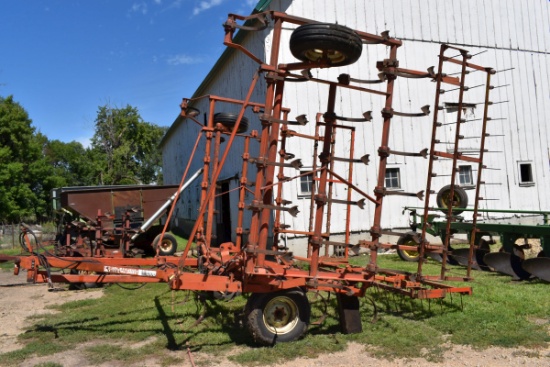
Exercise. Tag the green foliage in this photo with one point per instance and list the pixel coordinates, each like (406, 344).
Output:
(127, 147)
(19, 162)
(124, 151)
(73, 164)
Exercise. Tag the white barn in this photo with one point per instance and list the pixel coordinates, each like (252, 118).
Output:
(508, 35)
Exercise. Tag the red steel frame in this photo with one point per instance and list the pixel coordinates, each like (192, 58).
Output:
(251, 266)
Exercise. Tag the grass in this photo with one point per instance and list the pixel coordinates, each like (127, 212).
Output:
(130, 326)
(182, 242)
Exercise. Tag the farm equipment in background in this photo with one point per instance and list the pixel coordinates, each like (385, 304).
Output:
(114, 221)
(278, 309)
(509, 259)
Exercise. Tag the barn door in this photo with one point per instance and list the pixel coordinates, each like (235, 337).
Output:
(223, 214)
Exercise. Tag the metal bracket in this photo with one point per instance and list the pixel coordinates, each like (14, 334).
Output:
(286, 155)
(385, 37)
(261, 17)
(346, 79)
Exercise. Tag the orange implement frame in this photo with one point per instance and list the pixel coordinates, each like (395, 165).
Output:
(250, 264)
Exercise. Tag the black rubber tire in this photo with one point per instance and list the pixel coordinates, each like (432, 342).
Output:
(288, 310)
(409, 240)
(82, 286)
(229, 119)
(459, 200)
(169, 245)
(338, 44)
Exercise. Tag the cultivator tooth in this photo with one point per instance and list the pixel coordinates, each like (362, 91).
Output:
(293, 210)
(425, 111)
(360, 203)
(261, 162)
(383, 192)
(301, 120)
(385, 152)
(538, 267)
(367, 116)
(364, 159)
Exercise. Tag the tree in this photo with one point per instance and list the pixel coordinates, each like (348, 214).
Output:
(127, 147)
(72, 162)
(19, 153)
(124, 151)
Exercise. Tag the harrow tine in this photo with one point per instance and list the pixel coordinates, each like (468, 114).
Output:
(375, 309)
(323, 317)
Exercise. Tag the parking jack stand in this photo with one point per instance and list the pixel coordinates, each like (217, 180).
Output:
(348, 311)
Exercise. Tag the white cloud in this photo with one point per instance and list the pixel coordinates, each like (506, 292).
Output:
(205, 5)
(182, 59)
(251, 3)
(139, 8)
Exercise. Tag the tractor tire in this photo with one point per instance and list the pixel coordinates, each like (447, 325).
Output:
(281, 316)
(168, 246)
(408, 239)
(459, 199)
(332, 43)
(228, 120)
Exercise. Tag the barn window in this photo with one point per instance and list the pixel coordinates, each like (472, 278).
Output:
(465, 175)
(525, 174)
(393, 178)
(453, 107)
(306, 183)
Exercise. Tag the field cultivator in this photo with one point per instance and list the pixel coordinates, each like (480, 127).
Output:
(276, 280)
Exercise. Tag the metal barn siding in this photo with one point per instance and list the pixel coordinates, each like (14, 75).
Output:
(178, 144)
(514, 34)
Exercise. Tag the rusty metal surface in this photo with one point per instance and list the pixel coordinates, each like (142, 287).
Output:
(251, 264)
(115, 200)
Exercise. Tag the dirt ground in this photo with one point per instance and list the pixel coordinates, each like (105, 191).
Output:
(18, 301)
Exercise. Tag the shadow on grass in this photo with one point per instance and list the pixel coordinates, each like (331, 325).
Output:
(221, 322)
(166, 330)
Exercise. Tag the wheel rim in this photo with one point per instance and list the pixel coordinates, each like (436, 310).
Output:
(410, 253)
(334, 56)
(448, 200)
(166, 244)
(281, 315)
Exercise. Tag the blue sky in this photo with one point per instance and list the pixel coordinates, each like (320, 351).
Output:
(61, 59)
